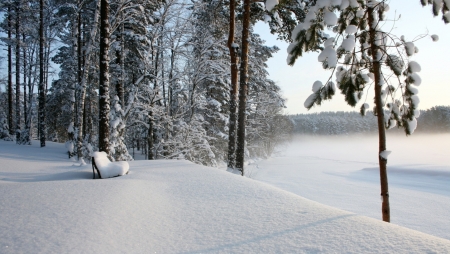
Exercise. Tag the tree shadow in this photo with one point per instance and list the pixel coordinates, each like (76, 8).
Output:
(269, 236)
(43, 177)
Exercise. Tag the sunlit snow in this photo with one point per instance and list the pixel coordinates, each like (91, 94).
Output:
(175, 206)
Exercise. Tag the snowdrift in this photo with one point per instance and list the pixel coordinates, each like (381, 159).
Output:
(108, 169)
(49, 205)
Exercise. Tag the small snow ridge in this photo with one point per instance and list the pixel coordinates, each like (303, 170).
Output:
(110, 169)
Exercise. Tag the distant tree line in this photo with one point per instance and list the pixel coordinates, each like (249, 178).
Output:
(433, 120)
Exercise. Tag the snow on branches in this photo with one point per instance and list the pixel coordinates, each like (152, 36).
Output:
(359, 44)
(439, 6)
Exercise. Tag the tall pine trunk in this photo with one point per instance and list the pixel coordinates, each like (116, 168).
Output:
(10, 86)
(41, 75)
(104, 107)
(119, 63)
(385, 209)
(243, 89)
(78, 110)
(25, 106)
(24, 82)
(150, 134)
(82, 86)
(18, 141)
(233, 90)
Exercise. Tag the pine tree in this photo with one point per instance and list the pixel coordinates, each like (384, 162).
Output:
(118, 148)
(18, 41)
(233, 48)
(82, 85)
(42, 126)
(357, 56)
(10, 86)
(104, 110)
(442, 6)
(243, 88)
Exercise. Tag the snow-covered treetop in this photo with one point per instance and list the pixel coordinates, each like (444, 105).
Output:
(441, 6)
(357, 44)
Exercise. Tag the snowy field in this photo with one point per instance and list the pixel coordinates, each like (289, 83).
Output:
(343, 172)
(48, 204)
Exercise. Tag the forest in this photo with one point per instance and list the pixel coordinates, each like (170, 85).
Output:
(433, 120)
(188, 79)
(166, 88)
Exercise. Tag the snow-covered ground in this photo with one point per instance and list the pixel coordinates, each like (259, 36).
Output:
(342, 171)
(48, 204)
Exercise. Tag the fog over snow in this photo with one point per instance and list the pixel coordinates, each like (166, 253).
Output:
(342, 171)
(49, 204)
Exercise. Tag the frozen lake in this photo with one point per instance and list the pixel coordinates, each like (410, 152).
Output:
(342, 171)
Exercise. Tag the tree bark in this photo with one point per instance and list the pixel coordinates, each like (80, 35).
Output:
(104, 107)
(234, 89)
(18, 141)
(86, 62)
(119, 62)
(79, 49)
(243, 89)
(150, 137)
(10, 87)
(25, 106)
(41, 76)
(385, 209)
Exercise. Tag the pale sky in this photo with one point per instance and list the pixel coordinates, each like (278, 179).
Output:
(434, 58)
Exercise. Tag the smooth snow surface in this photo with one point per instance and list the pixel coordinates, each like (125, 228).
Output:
(343, 172)
(174, 206)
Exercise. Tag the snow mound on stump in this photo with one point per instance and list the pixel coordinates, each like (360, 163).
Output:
(110, 169)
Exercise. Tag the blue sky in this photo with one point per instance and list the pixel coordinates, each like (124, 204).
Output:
(415, 20)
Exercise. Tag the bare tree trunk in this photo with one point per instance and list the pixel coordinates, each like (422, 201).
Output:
(30, 94)
(104, 107)
(119, 62)
(41, 75)
(171, 82)
(385, 209)
(25, 106)
(243, 89)
(18, 72)
(86, 106)
(86, 59)
(24, 82)
(79, 56)
(10, 87)
(233, 90)
(79, 48)
(150, 137)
